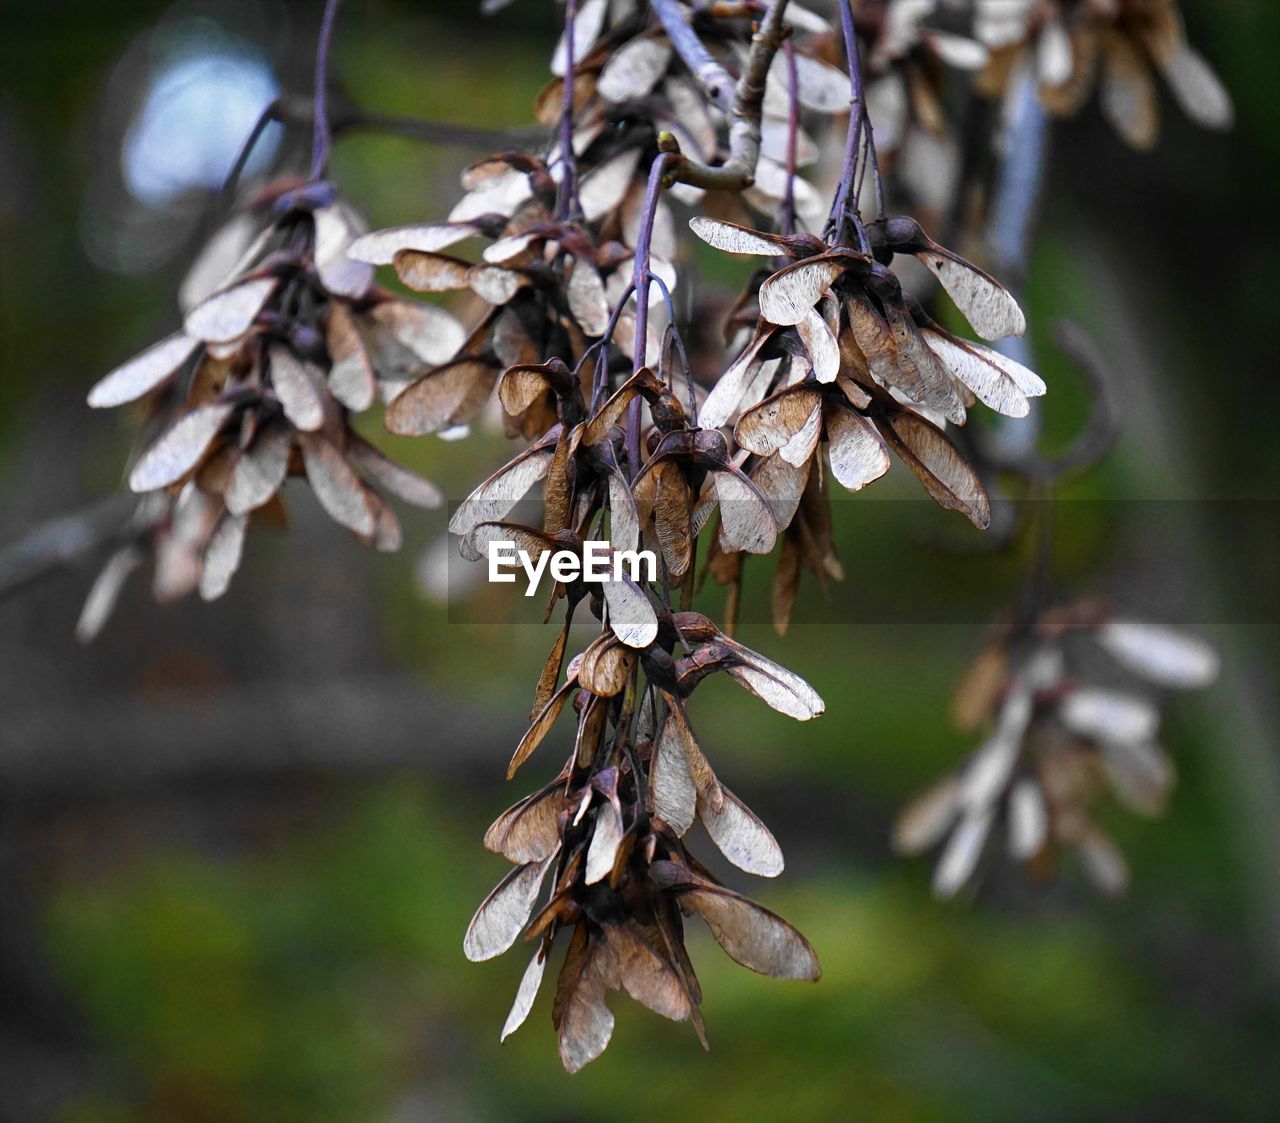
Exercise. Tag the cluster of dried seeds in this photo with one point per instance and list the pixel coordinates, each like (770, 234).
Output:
(1057, 744)
(284, 340)
(830, 364)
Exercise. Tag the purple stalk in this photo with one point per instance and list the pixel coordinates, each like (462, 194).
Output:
(320, 141)
(640, 282)
(567, 204)
(793, 134)
(845, 193)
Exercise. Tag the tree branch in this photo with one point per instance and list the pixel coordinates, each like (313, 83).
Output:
(739, 170)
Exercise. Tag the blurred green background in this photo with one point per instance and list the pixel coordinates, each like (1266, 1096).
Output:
(240, 842)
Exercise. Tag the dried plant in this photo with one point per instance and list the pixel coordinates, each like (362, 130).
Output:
(569, 256)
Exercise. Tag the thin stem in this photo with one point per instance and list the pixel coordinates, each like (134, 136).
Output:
(793, 136)
(715, 81)
(321, 138)
(845, 206)
(640, 278)
(567, 203)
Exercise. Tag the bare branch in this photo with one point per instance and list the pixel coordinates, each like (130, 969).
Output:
(739, 170)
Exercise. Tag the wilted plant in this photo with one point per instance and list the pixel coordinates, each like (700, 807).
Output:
(831, 363)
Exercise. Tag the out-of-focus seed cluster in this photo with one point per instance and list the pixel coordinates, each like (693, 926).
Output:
(1072, 708)
(284, 339)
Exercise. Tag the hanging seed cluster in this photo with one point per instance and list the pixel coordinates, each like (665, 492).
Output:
(828, 370)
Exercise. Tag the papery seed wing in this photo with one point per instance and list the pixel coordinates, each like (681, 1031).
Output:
(767, 427)
(606, 666)
(231, 311)
(635, 967)
(497, 495)
(792, 292)
(782, 689)
(1129, 92)
(336, 485)
(820, 342)
(946, 475)
(611, 411)
(447, 396)
(800, 448)
(624, 519)
(819, 86)
(494, 284)
(586, 1023)
(999, 382)
(672, 793)
(395, 478)
(960, 857)
(1103, 863)
(856, 450)
(927, 818)
(387, 534)
(1105, 715)
(676, 729)
(634, 70)
(783, 485)
(529, 831)
(741, 836)
(753, 936)
(180, 448)
(631, 614)
(988, 306)
(919, 368)
(144, 372)
(381, 247)
(530, 982)
(1199, 90)
(222, 556)
(1140, 772)
(297, 385)
(1028, 821)
(732, 238)
(520, 386)
(504, 912)
(746, 519)
(428, 332)
(672, 504)
(603, 189)
(351, 378)
(260, 470)
(431, 272)
(728, 392)
(105, 592)
(587, 300)
(606, 837)
(1161, 655)
(339, 274)
(540, 726)
(586, 30)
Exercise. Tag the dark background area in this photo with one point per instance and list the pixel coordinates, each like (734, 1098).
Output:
(239, 842)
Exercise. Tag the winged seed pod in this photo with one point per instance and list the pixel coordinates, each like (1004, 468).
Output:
(599, 852)
(285, 340)
(1057, 745)
(844, 367)
(1115, 47)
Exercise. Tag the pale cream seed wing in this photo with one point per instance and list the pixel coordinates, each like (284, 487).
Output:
(180, 448)
(336, 485)
(504, 912)
(789, 294)
(260, 470)
(855, 448)
(732, 238)
(392, 477)
(297, 385)
(741, 836)
(530, 982)
(144, 372)
(1161, 655)
(989, 307)
(230, 312)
